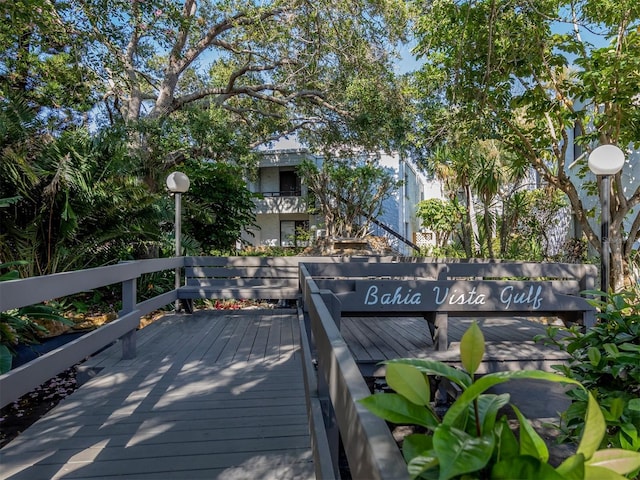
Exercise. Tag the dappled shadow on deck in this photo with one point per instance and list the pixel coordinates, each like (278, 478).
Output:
(509, 342)
(212, 395)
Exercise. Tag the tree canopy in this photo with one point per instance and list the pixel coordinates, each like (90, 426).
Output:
(100, 100)
(266, 68)
(530, 74)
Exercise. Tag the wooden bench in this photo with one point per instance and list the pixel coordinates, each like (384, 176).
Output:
(264, 278)
(471, 289)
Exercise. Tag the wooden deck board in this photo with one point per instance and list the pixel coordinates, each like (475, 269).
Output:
(221, 395)
(509, 341)
(210, 396)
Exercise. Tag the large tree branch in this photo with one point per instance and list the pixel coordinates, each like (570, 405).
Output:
(211, 36)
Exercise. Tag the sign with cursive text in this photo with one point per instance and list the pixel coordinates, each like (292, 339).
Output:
(451, 295)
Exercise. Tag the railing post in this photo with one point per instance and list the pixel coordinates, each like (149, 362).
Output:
(333, 305)
(129, 301)
(324, 388)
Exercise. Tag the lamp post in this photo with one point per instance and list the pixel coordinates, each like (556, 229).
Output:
(178, 183)
(606, 160)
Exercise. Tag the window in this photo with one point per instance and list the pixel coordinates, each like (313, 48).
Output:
(294, 233)
(290, 185)
(577, 149)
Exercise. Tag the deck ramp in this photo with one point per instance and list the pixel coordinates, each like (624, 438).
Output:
(210, 395)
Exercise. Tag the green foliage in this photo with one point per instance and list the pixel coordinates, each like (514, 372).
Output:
(78, 200)
(441, 216)
(606, 360)
(156, 283)
(42, 61)
(470, 441)
(99, 100)
(20, 325)
(524, 75)
(218, 205)
(527, 219)
(348, 192)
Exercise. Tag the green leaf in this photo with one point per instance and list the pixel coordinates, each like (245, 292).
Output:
(409, 382)
(572, 468)
(530, 442)
(611, 349)
(616, 459)
(594, 429)
(488, 407)
(415, 445)
(487, 381)
(472, 348)
(433, 367)
(601, 473)
(507, 444)
(616, 408)
(459, 452)
(5, 359)
(524, 468)
(629, 347)
(419, 465)
(594, 356)
(634, 404)
(397, 409)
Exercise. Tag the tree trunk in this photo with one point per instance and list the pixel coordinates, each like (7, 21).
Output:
(473, 221)
(488, 227)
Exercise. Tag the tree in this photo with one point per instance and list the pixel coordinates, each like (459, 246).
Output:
(42, 62)
(528, 216)
(166, 84)
(267, 68)
(348, 193)
(441, 216)
(504, 70)
(75, 203)
(219, 206)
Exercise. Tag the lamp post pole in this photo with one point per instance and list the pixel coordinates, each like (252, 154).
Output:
(605, 256)
(178, 183)
(178, 231)
(605, 161)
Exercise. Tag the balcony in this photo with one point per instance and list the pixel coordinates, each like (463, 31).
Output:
(281, 202)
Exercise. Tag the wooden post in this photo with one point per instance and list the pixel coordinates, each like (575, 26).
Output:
(128, 305)
(333, 305)
(438, 323)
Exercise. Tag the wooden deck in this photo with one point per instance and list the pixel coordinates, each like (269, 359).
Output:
(508, 342)
(221, 395)
(213, 395)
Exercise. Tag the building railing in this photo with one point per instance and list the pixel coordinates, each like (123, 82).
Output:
(289, 193)
(281, 204)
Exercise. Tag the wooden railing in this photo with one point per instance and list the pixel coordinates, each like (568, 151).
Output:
(331, 290)
(328, 288)
(369, 446)
(29, 291)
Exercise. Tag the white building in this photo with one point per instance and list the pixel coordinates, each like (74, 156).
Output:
(283, 211)
(399, 211)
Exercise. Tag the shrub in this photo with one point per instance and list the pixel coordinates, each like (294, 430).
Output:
(469, 441)
(606, 360)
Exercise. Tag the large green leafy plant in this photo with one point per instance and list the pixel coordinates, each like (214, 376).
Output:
(606, 361)
(470, 441)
